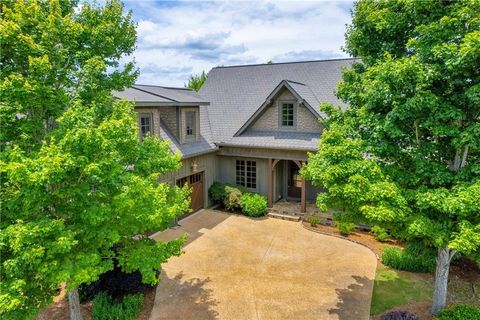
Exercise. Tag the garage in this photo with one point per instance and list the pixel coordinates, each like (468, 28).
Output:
(195, 182)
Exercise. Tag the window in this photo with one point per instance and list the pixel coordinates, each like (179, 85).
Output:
(246, 173)
(145, 124)
(190, 124)
(287, 119)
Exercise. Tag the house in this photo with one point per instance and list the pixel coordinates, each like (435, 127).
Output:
(249, 125)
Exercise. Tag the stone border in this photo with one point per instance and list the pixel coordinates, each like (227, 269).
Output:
(340, 237)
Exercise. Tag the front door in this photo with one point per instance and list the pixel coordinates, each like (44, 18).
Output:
(294, 189)
(195, 182)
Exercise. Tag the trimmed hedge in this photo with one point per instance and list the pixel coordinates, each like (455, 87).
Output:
(217, 193)
(253, 205)
(460, 312)
(412, 258)
(106, 308)
(232, 198)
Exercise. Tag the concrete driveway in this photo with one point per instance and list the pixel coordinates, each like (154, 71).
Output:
(240, 268)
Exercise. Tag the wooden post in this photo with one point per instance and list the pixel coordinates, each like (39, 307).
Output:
(303, 204)
(270, 183)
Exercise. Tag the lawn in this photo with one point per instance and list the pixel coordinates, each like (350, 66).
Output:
(393, 288)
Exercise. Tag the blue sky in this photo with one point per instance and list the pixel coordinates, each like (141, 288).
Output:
(178, 38)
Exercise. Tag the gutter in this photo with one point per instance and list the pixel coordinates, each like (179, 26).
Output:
(264, 147)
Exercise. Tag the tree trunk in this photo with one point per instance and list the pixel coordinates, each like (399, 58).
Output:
(444, 256)
(74, 305)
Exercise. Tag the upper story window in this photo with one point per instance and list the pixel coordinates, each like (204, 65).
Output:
(246, 173)
(146, 124)
(190, 125)
(287, 118)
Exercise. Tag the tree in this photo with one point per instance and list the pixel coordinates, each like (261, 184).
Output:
(75, 180)
(196, 81)
(405, 154)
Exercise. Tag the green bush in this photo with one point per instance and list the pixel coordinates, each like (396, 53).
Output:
(105, 308)
(345, 228)
(412, 258)
(232, 198)
(314, 220)
(253, 204)
(379, 233)
(460, 312)
(216, 192)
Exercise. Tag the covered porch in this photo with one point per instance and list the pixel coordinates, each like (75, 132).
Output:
(287, 186)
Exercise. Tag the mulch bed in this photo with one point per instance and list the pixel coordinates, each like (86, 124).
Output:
(59, 309)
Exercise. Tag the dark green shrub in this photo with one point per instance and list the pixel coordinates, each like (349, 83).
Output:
(379, 233)
(345, 228)
(116, 283)
(412, 258)
(460, 312)
(399, 315)
(253, 204)
(106, 308)
(314, 220)
(216, 192)
(232, 198)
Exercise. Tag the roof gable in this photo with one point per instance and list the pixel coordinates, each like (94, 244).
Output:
(299, 90)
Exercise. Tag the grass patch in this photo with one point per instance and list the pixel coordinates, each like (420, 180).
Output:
(393, 288)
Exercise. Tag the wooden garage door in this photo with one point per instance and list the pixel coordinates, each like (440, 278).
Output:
(195, 182)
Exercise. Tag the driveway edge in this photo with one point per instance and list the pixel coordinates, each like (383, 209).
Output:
(340, 237)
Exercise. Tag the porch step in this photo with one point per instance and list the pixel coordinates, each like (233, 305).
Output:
(283, 216)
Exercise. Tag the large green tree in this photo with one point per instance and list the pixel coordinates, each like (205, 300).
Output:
(405, 153)
(75, 180)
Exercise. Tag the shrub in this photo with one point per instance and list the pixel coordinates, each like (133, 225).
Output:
(253, 204)
(412, 258)
(399, 315)
(232, 198)
(106, 308)
(460, 312)
(314, 220)
(379, 233)
(345, 228)
(115, 283)
(216, 192)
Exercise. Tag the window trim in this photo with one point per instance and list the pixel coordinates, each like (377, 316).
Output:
(145, 115)
(280, 114)
(183, 127)
(245, 174)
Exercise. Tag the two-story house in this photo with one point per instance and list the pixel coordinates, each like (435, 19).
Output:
(250, 125)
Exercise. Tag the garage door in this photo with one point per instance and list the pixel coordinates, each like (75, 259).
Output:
(195, 182)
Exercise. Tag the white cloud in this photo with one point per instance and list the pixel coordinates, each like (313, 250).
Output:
(176, 39)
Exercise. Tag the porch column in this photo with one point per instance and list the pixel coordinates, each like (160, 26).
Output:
(303, 204)
(270, 183)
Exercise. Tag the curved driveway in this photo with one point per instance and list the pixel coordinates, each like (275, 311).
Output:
(240, 268)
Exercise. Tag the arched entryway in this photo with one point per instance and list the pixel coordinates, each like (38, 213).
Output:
(295, 187)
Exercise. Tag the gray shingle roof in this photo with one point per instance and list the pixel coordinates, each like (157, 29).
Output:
(277, 140)
(147, 95)
(235, 93)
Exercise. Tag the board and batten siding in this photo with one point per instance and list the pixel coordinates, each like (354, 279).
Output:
(206, 163)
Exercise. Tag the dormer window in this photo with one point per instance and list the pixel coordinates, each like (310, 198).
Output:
(190, 124)
(287, 114)
(146, 124)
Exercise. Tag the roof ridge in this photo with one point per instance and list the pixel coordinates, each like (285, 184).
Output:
(291, 81)
(289, 62)
(154, 94)
(164, 87)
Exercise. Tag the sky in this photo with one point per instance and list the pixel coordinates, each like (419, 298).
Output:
(180, 38)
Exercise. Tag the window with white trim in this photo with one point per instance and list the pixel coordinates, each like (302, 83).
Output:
(246, 173)
(287, 114)
(146, 124)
